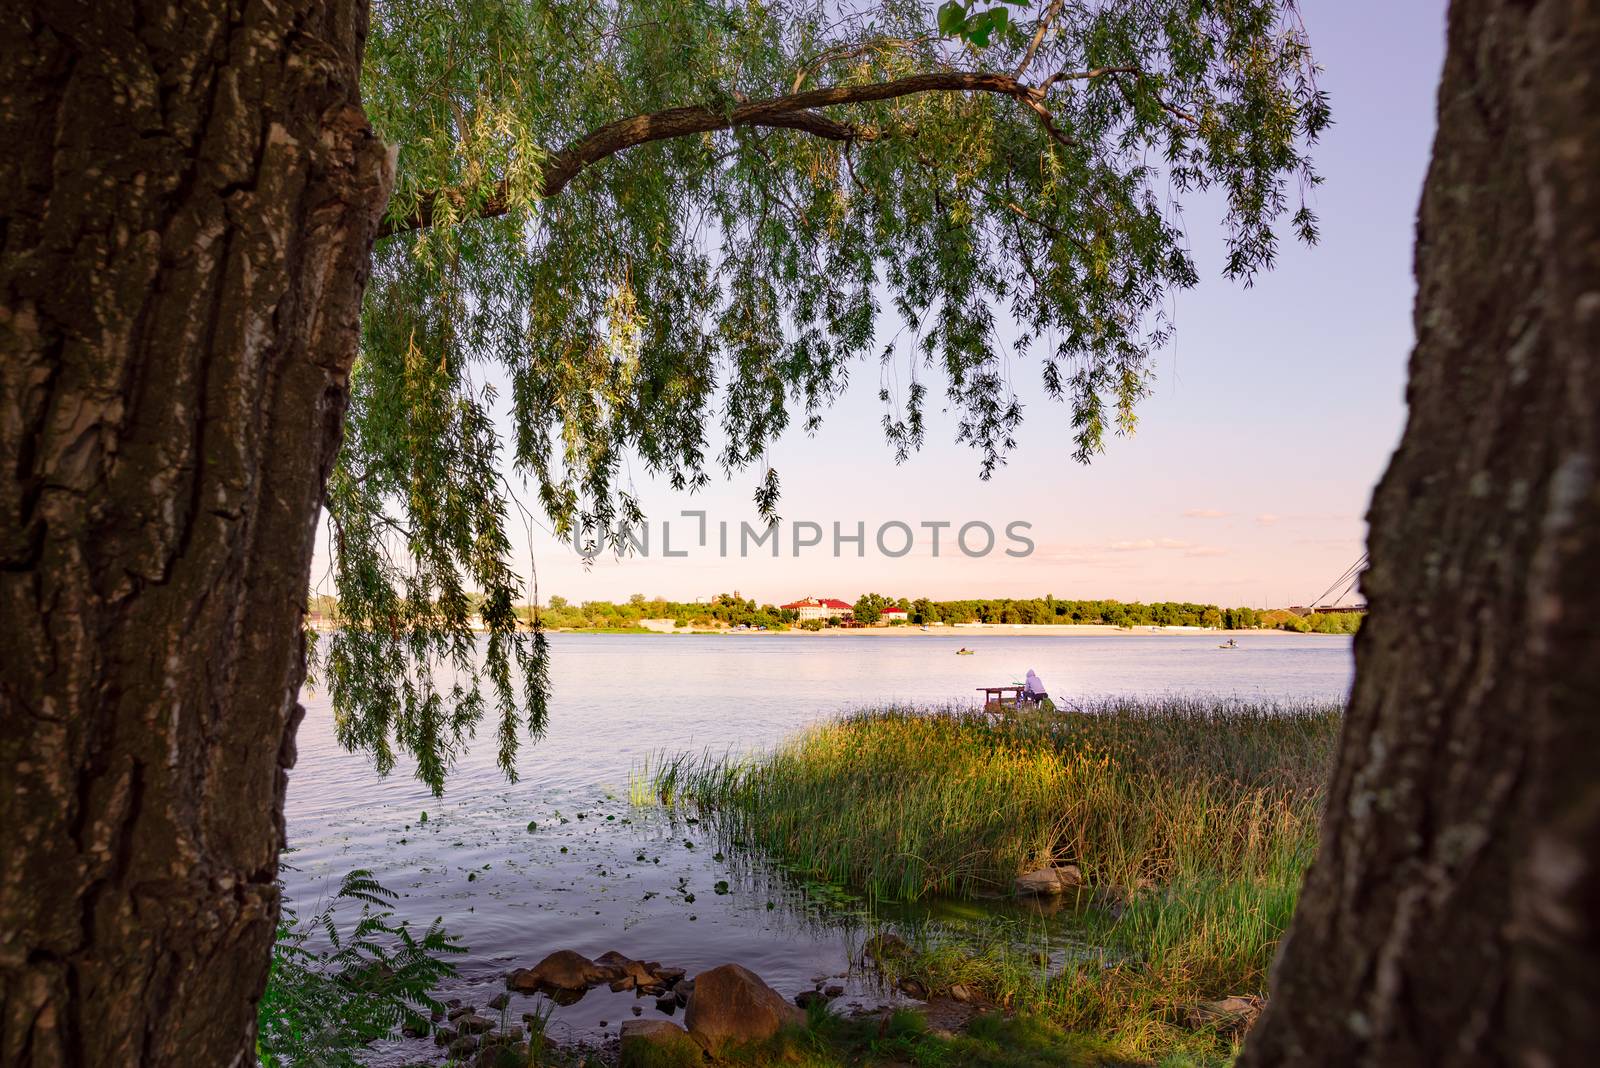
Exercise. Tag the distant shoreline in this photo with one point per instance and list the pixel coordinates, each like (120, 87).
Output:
(963, 630)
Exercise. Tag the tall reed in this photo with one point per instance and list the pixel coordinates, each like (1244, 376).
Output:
(1193, 821)
(905, 804)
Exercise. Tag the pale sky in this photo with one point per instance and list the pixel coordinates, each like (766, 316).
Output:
(1275, 409)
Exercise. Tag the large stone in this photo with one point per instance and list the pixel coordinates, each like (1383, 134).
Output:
(563, 971)
(647, 977)
(1230, 1014)
(614, 963)
(730, 1003)
(1055, 880)
(912, 988)
(503, 1055)
(807, 998)
(657, 1044)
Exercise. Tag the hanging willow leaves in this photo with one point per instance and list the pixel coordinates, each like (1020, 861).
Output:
(669, 229)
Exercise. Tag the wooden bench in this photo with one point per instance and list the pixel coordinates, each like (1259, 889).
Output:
(995, 698)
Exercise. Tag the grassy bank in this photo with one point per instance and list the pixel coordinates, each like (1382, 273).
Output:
(1192, 824)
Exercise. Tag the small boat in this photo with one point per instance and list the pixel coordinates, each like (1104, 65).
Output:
(965, 652)
(1229, 644)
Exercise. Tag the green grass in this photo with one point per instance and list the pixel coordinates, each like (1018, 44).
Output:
(948, 803)
(904, 1037)
(1211, 809)
(992, 1040)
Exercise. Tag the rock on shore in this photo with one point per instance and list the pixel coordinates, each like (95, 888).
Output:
(657, 1044)
(563, 972)
(727, 1004)
(1050, 881)
(730, 1003)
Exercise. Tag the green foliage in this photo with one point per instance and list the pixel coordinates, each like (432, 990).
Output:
(732, 610)
(904, 1037)
(1050, 609)
(963, 19)
(735, 247)
(1335, 622)
(1312, 623)
(869, 607)
(332, 991)
(725, 609)
(1130, 974)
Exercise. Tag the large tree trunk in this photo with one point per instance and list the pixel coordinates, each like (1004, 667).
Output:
(188, 198)
(1450, 918)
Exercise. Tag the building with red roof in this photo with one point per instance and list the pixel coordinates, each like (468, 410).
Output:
(819, 608)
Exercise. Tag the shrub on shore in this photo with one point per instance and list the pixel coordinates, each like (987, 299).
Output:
(333, 990)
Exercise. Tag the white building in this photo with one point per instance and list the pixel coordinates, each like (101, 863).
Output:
(818, 608)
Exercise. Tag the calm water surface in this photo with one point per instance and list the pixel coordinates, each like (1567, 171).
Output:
(598, 873)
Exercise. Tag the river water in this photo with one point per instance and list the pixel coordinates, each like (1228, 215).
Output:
(597, 873)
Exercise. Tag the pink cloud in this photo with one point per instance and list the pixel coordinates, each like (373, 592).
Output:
(1146, 544)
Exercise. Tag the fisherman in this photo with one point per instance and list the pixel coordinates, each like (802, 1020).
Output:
(1033, 690)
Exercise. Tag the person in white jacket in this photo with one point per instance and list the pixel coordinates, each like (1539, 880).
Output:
(1033, 689)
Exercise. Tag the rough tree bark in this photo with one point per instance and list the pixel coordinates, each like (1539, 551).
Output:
(1449, 918)
(188, 198)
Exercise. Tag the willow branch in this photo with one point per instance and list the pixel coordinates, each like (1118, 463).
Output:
(843, 52)
(1100, 72)
(796, 111)
(1038, 36)
(1085, 75)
